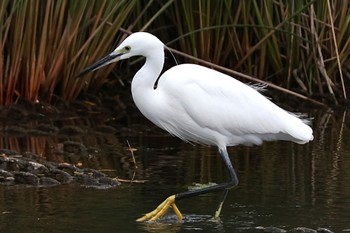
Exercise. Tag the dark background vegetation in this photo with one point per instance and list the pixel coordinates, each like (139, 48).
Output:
(300, 46)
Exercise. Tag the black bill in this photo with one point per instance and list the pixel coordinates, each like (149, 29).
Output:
(104, 61)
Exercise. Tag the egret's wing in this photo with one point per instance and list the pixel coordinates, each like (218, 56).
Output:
(206, 99)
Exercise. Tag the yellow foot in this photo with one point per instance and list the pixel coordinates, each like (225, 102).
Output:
(161, 210)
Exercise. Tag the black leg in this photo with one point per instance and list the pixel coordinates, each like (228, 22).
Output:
(170, 201)
(233, 181)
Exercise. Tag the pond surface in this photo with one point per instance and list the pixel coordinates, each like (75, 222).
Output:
(282, 185)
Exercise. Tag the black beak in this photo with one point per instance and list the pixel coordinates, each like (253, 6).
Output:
(104, 61)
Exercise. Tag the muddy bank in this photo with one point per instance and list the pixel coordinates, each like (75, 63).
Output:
(29, 169)
(43, 145)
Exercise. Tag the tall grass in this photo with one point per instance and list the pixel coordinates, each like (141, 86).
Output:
(44, 44)
(303, 46)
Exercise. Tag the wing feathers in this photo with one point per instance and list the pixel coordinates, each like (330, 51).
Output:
(208, 106)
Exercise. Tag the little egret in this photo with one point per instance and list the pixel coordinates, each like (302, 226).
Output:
(201, 105)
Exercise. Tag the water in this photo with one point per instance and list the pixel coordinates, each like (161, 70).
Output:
(282, 185)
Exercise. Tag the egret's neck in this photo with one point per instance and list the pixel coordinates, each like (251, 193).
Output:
(145, 78)
(143, 82)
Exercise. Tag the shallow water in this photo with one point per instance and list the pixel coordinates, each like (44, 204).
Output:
(282, 185)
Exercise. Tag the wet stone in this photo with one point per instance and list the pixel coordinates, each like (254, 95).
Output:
(26, 178)
(271, 229)
(61, 176)
(9, 164)
(3, 162)
(49, 165)
(6, 177)
(303, 230)
(108, 181)
(5, 174)
(323, 230)
(21, 164)
(93, 173)
(69, 168)
(47, 181)
(85, 179)
(31, 170)
(9, 180)
(36, 168)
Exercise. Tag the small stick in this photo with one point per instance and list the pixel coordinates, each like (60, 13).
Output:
(132, 153)
(130, 181)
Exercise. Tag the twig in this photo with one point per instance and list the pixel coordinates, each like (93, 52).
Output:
(132, 153)
(130, 181)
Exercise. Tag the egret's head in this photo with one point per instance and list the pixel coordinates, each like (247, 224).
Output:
(137, 44)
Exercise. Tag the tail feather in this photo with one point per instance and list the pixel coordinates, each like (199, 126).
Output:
(300, 129)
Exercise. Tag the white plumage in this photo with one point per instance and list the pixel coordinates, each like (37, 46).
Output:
(201, 105)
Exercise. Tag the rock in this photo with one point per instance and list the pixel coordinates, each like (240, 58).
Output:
(47, 181)
(85, 179)
(4, 173)
(303, 230)
(30, 170)
(108, 181)
(323, 230)
(36, 168)
(9, 164)
(61, 176)
(69, 168)
(93, 173)
(20, 164)
(6, 177)
(26, 178)
(271, 229)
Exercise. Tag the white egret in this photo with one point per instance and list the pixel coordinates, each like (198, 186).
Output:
(201, 105)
